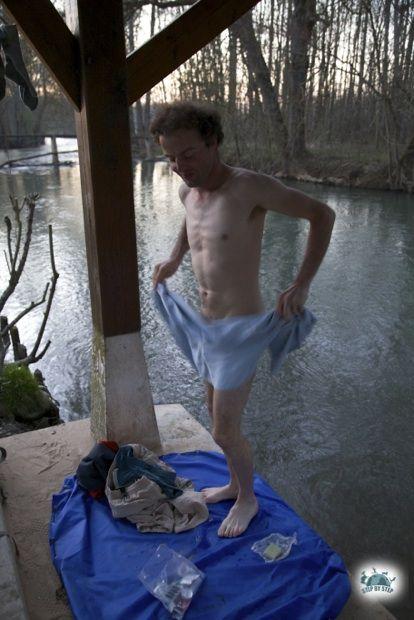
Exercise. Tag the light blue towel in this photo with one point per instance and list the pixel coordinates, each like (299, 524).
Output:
(226, 351)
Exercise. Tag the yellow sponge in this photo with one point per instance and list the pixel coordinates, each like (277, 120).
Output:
(272, 551)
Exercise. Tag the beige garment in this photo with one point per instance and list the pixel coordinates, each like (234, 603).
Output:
(144, 503)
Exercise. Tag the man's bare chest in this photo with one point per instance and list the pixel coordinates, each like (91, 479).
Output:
(223, 224)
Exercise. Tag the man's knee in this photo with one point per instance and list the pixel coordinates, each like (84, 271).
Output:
(224, 437)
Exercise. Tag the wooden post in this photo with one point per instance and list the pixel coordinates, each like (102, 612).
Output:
(55, 156)
(122, 406)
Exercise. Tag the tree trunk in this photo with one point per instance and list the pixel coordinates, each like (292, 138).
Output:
(243, 29)
(362, 59)
(232, 72)
(406, 166)
(147, 108)
(303, 21)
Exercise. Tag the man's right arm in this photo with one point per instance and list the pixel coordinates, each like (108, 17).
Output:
(181, 245)
(168, 267)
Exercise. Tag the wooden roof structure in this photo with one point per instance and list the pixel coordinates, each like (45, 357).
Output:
(87, 57)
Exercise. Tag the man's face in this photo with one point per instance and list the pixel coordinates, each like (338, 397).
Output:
(189, 155)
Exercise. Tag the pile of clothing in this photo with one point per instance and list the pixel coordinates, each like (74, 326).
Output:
(141, 488)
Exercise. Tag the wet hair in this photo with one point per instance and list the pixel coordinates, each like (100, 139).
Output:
(187, 115)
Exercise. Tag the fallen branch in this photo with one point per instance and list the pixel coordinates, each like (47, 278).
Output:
(10, 162)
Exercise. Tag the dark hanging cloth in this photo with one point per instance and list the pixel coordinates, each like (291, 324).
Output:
(15, 69)
(129, 468)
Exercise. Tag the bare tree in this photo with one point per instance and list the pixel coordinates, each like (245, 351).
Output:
(16, 259)
(256, 63)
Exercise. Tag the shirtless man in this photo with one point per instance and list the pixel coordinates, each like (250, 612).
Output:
(225, 212)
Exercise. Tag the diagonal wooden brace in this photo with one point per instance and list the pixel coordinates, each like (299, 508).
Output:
(176, 43)
(58, 47)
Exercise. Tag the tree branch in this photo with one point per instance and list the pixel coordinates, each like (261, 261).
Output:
(32, 357)
(7, 261)
(24, 312)
(19, 228)
(138, 4)
(9, 228)
(15, 274)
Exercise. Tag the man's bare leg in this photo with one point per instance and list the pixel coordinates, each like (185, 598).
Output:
(229, 491)
(228, 406)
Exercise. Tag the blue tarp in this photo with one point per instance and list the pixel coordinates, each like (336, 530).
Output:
(98, 557)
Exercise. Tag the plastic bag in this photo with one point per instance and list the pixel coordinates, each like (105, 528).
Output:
(171, 578)
(274, 547)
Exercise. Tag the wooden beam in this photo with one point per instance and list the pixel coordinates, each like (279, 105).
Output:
(185, 36)
(51, 39)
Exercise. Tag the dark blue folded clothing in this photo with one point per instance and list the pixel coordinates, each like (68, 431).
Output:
(129, 468)
(93, 468)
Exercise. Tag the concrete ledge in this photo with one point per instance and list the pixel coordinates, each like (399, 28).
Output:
(12, 601)
(356, 609)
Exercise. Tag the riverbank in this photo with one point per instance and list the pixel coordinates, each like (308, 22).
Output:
(326, 170)
(329, 165)
(344, 173)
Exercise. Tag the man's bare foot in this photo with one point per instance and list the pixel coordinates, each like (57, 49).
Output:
(213, 495)
(238, 518)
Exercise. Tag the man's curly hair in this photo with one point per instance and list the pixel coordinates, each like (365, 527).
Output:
(187, 115)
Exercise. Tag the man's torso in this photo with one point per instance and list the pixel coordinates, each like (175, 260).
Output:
(225, 232)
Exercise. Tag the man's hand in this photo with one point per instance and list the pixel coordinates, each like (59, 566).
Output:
(292, 300)
(164, 270)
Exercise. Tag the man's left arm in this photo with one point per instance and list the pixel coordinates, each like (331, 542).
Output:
(275, 196)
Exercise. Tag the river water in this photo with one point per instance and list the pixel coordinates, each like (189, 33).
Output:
(332, 433)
